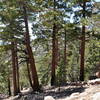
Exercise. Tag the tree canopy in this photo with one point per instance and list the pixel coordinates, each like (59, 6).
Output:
(46, 42)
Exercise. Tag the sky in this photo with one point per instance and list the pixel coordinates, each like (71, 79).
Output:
(30, 25)
(97, 0)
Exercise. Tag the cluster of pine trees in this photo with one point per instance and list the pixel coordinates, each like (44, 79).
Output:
(62, 45)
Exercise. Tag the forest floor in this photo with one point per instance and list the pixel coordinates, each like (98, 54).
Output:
(71, 91)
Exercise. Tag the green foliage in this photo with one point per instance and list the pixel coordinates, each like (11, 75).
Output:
(73, 61)
(44, 67)
(68, 16)
(4, 72)
(93, 55)
(24, 81)
(61, 78)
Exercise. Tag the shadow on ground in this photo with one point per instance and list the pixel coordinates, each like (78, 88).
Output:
(56, 92)
(62, 93)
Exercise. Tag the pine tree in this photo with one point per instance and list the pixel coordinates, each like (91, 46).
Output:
(30, 54)
(81, 15)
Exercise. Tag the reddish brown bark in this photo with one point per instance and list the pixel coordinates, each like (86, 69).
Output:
(30, 54)
(14, 69)
(82, 56)
(17, 69)
(82, 53)
(9, 89)
(54, 51)
(65, 50)
(53, 57)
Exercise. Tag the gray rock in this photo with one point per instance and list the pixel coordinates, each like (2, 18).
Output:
(96, 96)
(49, 98)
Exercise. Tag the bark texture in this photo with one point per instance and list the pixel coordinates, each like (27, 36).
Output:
(54, 50)
(30, 53)
(82, 53)
(14, 69)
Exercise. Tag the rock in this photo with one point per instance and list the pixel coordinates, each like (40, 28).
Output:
(96, 96)
(3, 96)
(93, 82)
(27, 91)
(98, 74)
(49, 98)
(75, 94)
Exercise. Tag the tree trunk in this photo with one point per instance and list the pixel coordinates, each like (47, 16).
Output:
(53, 79)
(9, 89)
(54, 51)
(14, 69)
(30, 54)
(17, 69)
(65, 56)
(82, 53)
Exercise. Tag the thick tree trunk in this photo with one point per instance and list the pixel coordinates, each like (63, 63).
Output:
(30, 54)
(82, 53)
(14, 69)
(54, 51)
(17, 69)
(53, 79)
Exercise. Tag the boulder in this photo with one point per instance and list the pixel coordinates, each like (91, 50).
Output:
(49, 98)
(93, 82)
(96, 96)
(98, 74)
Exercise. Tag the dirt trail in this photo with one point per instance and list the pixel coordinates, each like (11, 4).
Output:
(72, 91)
(87, 94)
